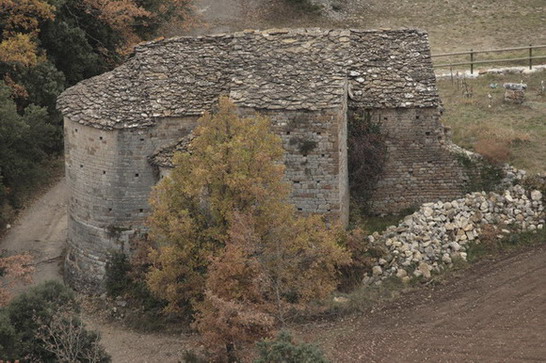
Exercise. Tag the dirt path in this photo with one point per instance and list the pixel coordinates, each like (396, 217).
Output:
(41, 231)
(494, 312)
(127, 346)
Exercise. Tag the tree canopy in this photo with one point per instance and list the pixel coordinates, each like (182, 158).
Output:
(229, 245)
(48, 45)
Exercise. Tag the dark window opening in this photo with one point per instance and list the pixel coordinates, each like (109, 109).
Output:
(319, 133)
(141, 210)
(323, 155)
(81, 166)
(417, 117)
(288, 132)
(141, 139)
(300, 209)
(427, 133)
(75, 130)
(137, 175)
(296, 181)
(100, 137)
(109, 209)
(104, 171)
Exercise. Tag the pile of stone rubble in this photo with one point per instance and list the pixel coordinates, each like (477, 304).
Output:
(431, 238)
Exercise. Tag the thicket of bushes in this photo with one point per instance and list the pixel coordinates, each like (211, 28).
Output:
(304, 5)
(43, 325)
(46, 46)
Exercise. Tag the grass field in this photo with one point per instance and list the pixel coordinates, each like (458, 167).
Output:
(453, 25)
(479, 122)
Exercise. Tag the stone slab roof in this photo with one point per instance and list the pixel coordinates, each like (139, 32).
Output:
(293, 69)
(164, 156)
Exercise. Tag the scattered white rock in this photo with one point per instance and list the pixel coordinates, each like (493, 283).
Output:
(536, 195)
(425, 270)
(341, 299)
(377, 270)
(433, 236)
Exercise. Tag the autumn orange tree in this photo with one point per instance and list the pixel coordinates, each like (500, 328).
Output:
(48, 45)
(231, 247)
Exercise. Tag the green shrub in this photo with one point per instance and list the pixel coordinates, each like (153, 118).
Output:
(283, 350)
(482, 174)
(367, 154)
(34, 322)
(117, 274)
(8, 337)
(535, 182)
(121, 281)
(304, 5)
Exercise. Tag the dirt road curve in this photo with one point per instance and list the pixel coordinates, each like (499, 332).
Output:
(494, 312)
(41, 231)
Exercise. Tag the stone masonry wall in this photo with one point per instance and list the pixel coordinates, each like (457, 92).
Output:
(419, 166)
(110, 178)
(315, 158)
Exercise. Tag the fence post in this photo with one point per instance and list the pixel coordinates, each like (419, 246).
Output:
(530, 56)
(471, 61)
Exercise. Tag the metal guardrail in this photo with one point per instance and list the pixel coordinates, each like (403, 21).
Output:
(472, 54)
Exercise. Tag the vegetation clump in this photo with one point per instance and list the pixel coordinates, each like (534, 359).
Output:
(227, 244)
(305, 5)
(283, 350)
(367, 155)
(483, 175)
(46, 46)
(43, 325)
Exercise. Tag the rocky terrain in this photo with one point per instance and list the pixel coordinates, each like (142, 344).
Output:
(430, 239)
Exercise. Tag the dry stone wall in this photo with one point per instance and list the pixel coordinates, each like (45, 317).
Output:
(430, 239)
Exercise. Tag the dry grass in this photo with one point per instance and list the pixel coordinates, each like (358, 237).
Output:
(514, 133)
(455, 24)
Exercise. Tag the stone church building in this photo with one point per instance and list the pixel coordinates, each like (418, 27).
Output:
(122, 127)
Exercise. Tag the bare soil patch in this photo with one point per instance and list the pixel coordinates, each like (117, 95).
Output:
(40, 230)
(494, 311)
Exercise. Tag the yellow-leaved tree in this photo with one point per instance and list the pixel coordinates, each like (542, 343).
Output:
(229, 244)
(20, 24)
